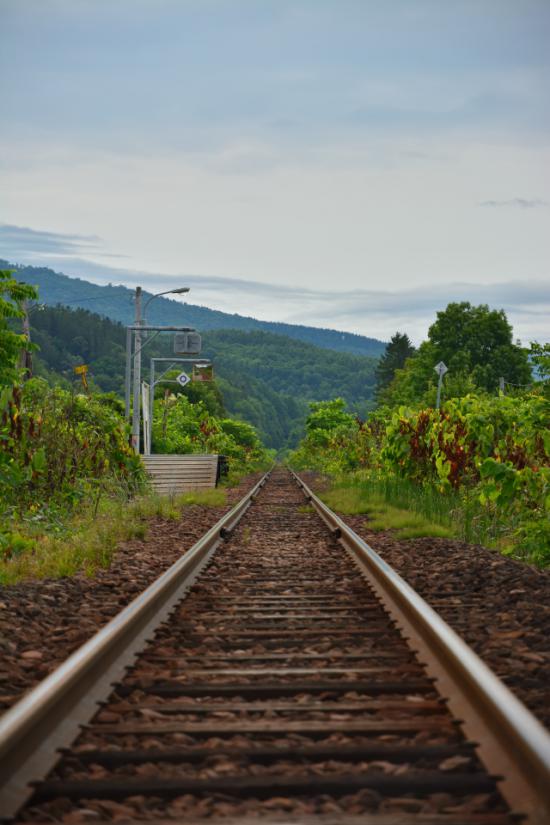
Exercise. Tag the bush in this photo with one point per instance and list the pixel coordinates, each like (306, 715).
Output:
(491, 453)
(180, 426)
(59, 447)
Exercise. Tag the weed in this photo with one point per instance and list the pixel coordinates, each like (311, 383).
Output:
(88, 542)
(410, 509)
(407, 524)
(347, 500)
(207, 498)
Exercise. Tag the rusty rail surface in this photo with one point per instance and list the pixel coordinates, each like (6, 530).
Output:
(510, 740)
(50, 716)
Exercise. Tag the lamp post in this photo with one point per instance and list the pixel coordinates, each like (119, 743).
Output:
(179, 291)
(139, 321)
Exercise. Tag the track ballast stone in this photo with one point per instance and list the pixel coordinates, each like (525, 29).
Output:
(279, 688)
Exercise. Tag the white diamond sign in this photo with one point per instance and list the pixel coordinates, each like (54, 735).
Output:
(441, 369)
(183, 379)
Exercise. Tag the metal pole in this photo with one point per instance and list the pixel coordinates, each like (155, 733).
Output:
(439, 383)
(136, 413)
(151, 400)
(128, 374)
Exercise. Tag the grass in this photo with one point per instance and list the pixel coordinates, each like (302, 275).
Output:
(408, 525)
(350, 501)
(88, 541)
(382, 515)
(418, 510)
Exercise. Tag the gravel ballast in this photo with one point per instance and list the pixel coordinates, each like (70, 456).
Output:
(499, 606)
(44, 621)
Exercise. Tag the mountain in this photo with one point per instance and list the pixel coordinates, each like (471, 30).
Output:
(266, 379)
(116, 302)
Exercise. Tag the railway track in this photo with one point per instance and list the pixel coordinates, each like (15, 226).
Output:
(280, 670)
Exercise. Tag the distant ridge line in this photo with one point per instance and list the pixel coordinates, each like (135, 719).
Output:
(115, 302)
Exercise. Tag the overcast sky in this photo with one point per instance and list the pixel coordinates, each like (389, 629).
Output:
(350, 163)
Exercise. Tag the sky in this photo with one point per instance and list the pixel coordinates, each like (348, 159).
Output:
(347, 163)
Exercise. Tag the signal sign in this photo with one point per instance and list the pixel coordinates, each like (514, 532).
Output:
(183, 379)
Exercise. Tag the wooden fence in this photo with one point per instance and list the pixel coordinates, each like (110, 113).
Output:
(177, 473)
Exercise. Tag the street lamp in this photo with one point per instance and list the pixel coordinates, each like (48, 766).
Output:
(179, 291)
(139, 320)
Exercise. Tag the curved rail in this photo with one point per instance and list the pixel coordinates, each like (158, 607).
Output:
(511, 742)
(49, 716)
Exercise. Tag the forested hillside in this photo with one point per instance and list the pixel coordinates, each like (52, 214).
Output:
(266, 379)
(116, 303)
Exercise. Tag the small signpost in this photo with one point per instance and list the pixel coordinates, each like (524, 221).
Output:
(183, 379)
(440, 369)
(82, 370)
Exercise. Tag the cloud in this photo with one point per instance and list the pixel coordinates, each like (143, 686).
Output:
(281, 69)
(26, 243)
(520, 203)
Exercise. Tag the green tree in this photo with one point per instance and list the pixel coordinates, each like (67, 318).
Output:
(475, 343)
(12, 295)
(397, 351)
(329, 415)
(478, 341)
(539, 355)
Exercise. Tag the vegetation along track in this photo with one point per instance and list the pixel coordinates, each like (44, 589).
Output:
(297, 679)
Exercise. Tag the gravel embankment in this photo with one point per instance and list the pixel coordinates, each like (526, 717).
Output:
(42, 622)
(499, 606)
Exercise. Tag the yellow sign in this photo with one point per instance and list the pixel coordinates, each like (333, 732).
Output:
(81, 370)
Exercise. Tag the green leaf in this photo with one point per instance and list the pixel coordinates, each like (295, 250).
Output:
(39, 462)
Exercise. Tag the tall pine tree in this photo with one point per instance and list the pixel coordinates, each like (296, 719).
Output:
(394, 357)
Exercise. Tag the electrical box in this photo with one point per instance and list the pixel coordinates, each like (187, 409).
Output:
(187, 343)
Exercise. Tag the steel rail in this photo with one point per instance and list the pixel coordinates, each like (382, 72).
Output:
(50, 716)
(511, 742)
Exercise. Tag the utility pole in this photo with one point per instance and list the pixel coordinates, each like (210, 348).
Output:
(136, 416)
(128, 374)
(138, 323)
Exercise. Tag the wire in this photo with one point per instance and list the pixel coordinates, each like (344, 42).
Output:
(88, 298)
(511, 384)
